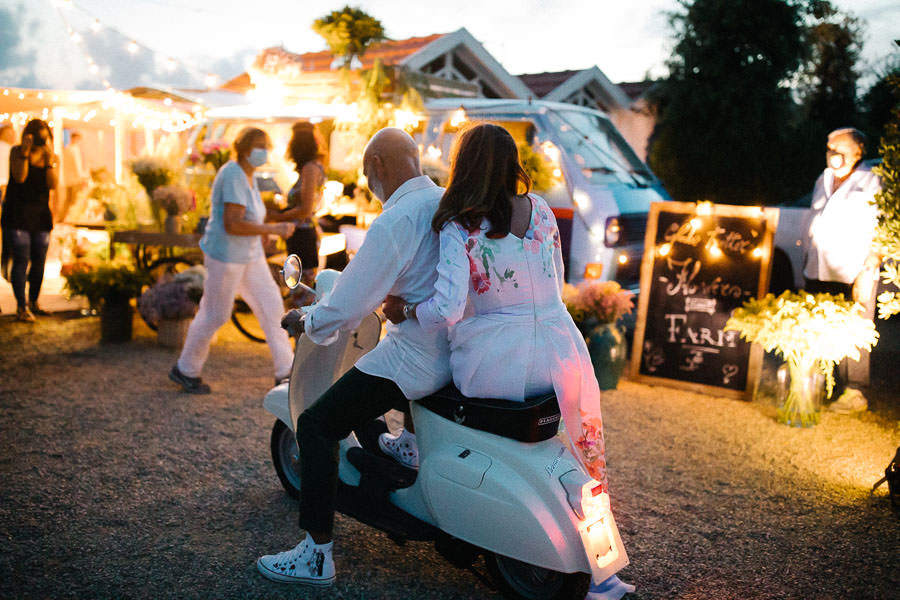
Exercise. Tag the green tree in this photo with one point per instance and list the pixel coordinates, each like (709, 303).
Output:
(348, 32)
(829, 77)
(887, 234)
(726, 106)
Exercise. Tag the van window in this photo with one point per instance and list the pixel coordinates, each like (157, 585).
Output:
(597, 148)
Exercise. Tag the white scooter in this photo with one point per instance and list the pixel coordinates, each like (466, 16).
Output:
(494, 477)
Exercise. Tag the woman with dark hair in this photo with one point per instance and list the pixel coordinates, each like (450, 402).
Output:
(236, 264)
(305, 150)
(500, 254)
(500, 251)
(27, 220)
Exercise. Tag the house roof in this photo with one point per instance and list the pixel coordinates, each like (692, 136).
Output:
(561, 85)
(635, 89)
(391, 52)
(544, 83)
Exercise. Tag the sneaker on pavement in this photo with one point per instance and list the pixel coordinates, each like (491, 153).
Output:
(850, 401)
(307, 564)
(402, 448)
(611, 589)
(190, 385)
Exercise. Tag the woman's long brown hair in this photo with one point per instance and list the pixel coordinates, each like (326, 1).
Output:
(484, 177)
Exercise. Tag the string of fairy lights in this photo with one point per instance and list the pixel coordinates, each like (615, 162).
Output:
(131, 45)
(87, 106)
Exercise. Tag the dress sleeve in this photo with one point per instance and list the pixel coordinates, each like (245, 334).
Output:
(451, 289)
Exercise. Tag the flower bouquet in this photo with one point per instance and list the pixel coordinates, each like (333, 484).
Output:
(174, 199)
(596, 306)
(104, 282)
(812, 333)
(169, 303)
(152, 172)
(597, 302)
(215, 153)
(109, 287)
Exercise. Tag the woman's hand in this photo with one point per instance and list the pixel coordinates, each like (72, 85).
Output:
(27, 143)
(393, 309)
(285, 229)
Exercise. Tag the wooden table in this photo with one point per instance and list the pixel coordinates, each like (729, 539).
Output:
(152, 245)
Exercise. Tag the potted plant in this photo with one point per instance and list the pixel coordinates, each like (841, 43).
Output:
(175, 200)
(596, 307)
(108, 287)
(812, 333)
(170, 304)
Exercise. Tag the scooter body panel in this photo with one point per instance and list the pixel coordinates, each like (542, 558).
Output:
(278, 403)
(499, 494)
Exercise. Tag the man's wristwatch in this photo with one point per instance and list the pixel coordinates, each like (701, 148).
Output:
(409, 311)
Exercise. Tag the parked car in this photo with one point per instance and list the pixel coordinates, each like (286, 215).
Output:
(600, 191)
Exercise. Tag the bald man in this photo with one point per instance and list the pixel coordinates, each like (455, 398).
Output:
(399, 257)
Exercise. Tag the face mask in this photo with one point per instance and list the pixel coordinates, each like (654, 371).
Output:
(376, 188)
(835, 160)
(258, 157)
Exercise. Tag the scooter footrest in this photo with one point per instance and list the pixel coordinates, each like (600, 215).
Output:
(390, 473)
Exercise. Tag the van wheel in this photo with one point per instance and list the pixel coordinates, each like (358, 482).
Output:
(520, 581)
(286, 458)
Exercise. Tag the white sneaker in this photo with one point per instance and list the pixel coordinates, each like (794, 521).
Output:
(611, 589)
(402, 448)
(307, 564)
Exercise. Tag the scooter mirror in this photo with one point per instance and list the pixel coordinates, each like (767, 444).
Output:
(291, 271)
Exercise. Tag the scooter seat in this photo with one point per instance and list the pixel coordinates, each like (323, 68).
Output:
(534, 420)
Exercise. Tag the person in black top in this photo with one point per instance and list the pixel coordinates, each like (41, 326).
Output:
(26, 219)
(306, 151)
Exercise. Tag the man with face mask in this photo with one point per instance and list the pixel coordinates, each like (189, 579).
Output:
(399, 257)
(840, 258)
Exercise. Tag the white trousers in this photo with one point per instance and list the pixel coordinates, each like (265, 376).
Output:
(253, 281)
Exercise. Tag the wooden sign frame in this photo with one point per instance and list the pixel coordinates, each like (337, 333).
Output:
(686, 239)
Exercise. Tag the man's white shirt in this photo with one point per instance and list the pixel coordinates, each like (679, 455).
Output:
(398, 257)
(842, 225)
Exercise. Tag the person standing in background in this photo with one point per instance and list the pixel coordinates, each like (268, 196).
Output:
(27, 219)
(840, 258)
(74, 175)
(7, 140)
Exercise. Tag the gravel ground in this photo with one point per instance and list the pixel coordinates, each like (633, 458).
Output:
(114, 485)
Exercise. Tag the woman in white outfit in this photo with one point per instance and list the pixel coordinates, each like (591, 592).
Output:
(236, 264)
(500, 253)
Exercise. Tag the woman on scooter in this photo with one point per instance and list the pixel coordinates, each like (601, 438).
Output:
(500, 250)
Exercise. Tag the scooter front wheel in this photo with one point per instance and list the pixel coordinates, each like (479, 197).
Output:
(286, 458)
(517, 580)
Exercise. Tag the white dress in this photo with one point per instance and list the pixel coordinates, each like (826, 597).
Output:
(520, 341)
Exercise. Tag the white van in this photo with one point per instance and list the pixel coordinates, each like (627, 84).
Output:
(600, 191)
(597, 187)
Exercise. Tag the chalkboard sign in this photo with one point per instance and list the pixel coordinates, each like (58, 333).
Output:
(701, 261)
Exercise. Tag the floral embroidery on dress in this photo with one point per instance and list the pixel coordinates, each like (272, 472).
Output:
(480, 274)
(592, 448)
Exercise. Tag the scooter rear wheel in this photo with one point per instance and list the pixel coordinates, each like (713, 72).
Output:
(286, 457)
(517, 580)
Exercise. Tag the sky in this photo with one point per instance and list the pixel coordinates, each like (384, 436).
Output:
(179, 42)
